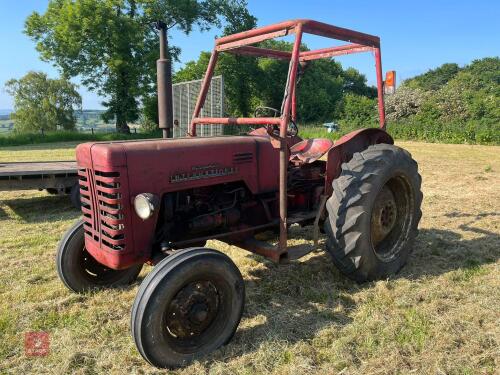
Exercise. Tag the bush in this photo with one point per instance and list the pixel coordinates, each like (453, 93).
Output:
(404, 103)
(358, 111)
(149, 126)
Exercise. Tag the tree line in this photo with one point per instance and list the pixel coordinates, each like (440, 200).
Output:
(112, 46)
(450, 104)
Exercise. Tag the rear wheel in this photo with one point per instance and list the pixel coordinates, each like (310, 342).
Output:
(373, 213)
(188, 306)
(80, 272)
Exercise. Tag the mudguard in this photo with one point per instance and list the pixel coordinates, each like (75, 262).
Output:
(346, 146)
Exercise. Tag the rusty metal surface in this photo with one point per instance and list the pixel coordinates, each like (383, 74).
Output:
(310, 150)
(334, 51)
(309, 26)
(238, 120)
(258, 52)
(164, 83)
(219, 164)
(240, 43)
(380, 88)
(204, 90)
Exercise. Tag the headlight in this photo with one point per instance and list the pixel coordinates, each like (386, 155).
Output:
(145, 205)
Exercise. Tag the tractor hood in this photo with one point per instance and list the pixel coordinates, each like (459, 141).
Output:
(163, 165)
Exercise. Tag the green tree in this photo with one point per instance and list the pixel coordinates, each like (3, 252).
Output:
(250, 82)
(358, 111)
(112, 45)
(434, 79)
(41, 103)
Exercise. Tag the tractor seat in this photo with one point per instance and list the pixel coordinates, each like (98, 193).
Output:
(309, 150)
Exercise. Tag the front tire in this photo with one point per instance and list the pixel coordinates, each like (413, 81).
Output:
(80, 272)
(188, 306)
(373, 213)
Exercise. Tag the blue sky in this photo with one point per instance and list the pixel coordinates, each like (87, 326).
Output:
(415, 35)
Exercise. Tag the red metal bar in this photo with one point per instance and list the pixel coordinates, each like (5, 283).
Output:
(203, 91)
(256, 32)
(251, 40)
(237, 120)
(309, 26)
(285, 119)
(261, 52)
(294, 104)
(333, 51)
(380, 87)
(340, 33)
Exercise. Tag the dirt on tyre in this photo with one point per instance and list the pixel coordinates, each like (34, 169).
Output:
(80, 272)
(373, 213)
(187, 307)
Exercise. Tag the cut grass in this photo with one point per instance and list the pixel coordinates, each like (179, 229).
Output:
(440, 315)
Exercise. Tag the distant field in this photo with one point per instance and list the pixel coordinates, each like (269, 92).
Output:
(440, 315)
(85, 121)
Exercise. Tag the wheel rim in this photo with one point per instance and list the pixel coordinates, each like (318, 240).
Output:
(192, 310)
(391, 218)
(196, 314)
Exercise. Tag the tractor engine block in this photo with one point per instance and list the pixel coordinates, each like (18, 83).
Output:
(305, 186)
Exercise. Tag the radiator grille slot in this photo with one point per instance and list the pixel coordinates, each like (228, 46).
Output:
(243, 157)
(102, 207)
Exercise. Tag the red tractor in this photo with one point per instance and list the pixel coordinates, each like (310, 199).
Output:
(158, 201)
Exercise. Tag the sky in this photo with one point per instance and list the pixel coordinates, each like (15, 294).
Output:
(415, 35)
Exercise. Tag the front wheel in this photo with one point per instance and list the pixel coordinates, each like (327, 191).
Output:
(80, 272)
(188, 306)
(373, 213)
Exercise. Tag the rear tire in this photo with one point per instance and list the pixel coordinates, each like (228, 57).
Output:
(80, 272)
(187, 307)
(373, 213)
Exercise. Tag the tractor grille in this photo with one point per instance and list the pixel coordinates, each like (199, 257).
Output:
(102, 208)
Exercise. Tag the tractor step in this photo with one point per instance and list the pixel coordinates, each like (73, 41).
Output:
(272, 252)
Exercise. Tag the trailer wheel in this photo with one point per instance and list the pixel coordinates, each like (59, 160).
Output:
(373, 213)
(188, 306)
(75, 196)
(80, 272)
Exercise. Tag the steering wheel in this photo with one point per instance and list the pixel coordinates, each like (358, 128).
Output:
(292, 130)
(261, 110)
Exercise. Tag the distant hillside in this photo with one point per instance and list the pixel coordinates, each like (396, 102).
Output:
(85, 120)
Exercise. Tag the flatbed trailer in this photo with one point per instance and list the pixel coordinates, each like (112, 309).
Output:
(57, 177)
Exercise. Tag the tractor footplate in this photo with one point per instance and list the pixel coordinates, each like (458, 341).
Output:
(272, 252)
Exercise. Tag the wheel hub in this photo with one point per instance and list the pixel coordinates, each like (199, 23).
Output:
(193, 309)
(384, 215)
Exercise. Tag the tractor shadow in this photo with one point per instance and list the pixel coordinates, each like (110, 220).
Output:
(38, 209)
(293, 302)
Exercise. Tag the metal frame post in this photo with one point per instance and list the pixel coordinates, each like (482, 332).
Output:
(380, 88)
(203, 91)
(164, 83)
(283, 159)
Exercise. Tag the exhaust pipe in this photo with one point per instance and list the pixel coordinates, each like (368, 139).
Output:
(164, 83)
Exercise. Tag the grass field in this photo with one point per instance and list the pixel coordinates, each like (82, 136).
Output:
(440, 315)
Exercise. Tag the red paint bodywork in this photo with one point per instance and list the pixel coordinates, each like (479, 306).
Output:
(113, 173)
(148, 166)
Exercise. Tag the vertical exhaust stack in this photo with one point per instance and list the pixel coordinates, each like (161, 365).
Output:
(164, 83)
